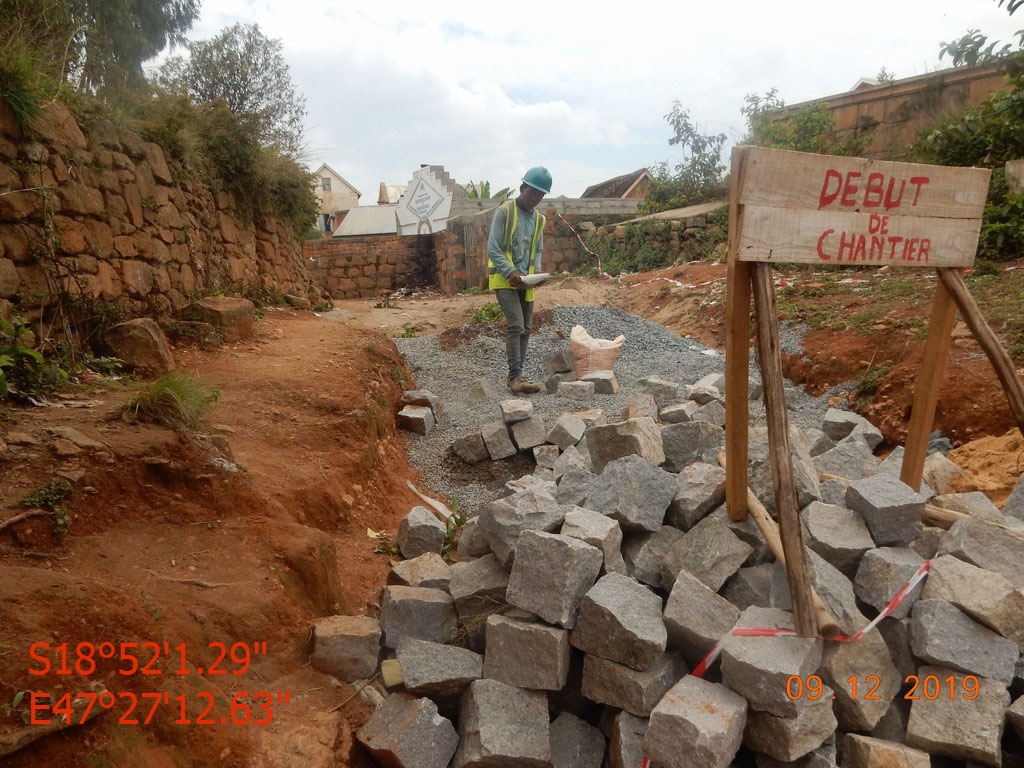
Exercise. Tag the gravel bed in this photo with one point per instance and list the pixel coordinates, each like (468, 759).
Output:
(449, 366)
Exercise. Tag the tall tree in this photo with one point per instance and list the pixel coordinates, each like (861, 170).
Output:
(245, 70)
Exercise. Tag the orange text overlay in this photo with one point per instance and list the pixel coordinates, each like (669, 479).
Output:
(141, 658)
(138, 709)
(930, 687)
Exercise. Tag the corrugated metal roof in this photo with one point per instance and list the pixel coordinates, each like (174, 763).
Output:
(368, 220)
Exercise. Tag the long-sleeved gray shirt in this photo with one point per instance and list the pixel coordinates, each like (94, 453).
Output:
(520, 246)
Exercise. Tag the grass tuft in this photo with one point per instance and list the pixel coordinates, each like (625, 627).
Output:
(174, 400)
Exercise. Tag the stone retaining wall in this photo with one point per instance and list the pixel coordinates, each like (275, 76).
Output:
(360, 267)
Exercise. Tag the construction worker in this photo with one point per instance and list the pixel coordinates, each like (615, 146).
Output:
(513, 251)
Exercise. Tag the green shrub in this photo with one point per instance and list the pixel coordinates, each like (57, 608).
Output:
(486, 313)
(25, 373)
(21, 85)
(174, 400)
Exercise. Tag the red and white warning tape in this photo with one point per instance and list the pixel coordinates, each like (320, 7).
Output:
(701, 669)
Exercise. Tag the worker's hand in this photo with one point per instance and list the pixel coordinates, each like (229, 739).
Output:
(516, 279)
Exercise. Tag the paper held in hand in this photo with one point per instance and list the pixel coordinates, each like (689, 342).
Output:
(535, 279)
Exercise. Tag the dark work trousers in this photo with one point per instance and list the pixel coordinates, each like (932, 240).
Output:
(519, 321)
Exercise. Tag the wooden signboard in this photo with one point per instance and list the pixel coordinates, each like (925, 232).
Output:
(819, 209)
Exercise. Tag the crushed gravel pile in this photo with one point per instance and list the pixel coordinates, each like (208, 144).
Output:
(449, 364)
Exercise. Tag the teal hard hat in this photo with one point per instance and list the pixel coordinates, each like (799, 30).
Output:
(539, 178)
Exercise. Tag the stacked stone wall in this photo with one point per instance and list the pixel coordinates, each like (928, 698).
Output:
(361, 267)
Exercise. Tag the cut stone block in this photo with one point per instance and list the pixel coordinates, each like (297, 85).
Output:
(986, 546)
(423, 397)
(546, 455)
(428, 570)
(582, 391)
(472, 542)
(833, 492)
(620, 620)
(983, 595)
(499, 444)
(346, 647)
(617, 685)
(757, 668)
(416, 418)
(604, 382)
(235, 317)
(891, 509)
(645, 556)
(526, 655)
(697, 724)
(593, 417)
(893, 725)
(700, 488)
(708, 551)
(837, 534)
(805, 475)
(515, 410)
(532, 482)
(140, 342)
(418, 612)
(575, 743)
(839, 425)
(633, 437)
(704, 395)
(712, 413)
(502, 726)
(679, 413)
(478, 589)
(683, 444)
(407, 732)
(865, 752)
(661, 390)
(503, 520)
(789, 738)
(818, 442)
(940, 633)
(896, 633)
(975, 503)
(749, 586)
(927, 544)
(529, 433)
(572, 458)
(746, 530)
(574, 486)
(957, 727)
(436, 670)
(632, 491)
(1015, 717)
(550, 575)
(567, 431)
(484, 389)
(599, 531)
(852, 458)
(420, 532)
(558, 362)
(1014, 506)
(834, 589)
(552, 382)
(882, 573)
(939, 473)
(867, 656)
(696, 617)
(714, 380)
(625, 748)
(471, 448)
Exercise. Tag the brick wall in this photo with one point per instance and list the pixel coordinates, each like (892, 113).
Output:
(361, 267)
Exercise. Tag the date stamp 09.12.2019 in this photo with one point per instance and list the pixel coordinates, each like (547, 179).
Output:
(929, 687)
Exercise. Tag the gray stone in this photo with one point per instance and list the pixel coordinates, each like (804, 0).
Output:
(625, 748)
(683, 444)
(529, 433)
(620, 620)
(532, 482)
(545, 474)
(833, 492)
(499, 444)
(861, 751)
(789, 738)
(571, 458)
(700, 487)
(1014, 506)
(478, 588)
(645, 556)
(891, 509)
(641, 405)
(804, 473)
(406, 732)
(526, 655)
(593, 417)
(927, 543)
(582, 391)
(713, 380)
(758, 667)
(471, 448)
(696, 725)
(428, 570)
(550, 575)
(515, 410)
(709, 551)
(599, 531)
(634, 492)
(893, 725)
(896, 633)
(607, 682)
(472, 542)
(574, 486)
(661, 390)
(436, 670)
(958, 727)
(822, 757)
(679, 413)
(546, 455)
(567, 431)
(713, 413)
(939, 473)
(696, 617)
(559, 361)
(604, 382)
(818, 442)
(975, 504)
(346, 647)
(484, 389)
(633, 437)
(986, 546)
(575, 743)
(983, 595)
(420, 532)
(1015, 717)
(423, 397)
(750, 586)
(704, 395)
(837, 534)
(882, 573)
(416, 418)
(839, 425)
(852, 458)
(502, 726)
(836, 592)
(503, 520)
(746, 530)
(869, 655)
(940, 633)
(419, 612)
(555, 380)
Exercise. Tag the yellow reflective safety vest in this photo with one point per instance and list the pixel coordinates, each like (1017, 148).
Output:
(494, 278)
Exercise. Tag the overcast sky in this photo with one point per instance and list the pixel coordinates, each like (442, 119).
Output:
(488, 89)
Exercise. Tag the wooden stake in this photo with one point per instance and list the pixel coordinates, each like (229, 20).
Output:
(927, 387)
(737, 350)
(1006, 372)
(780, 452)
